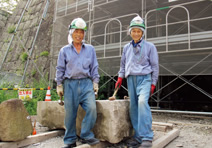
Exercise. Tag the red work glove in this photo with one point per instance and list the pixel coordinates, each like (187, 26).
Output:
(152, 89)
(118, 83)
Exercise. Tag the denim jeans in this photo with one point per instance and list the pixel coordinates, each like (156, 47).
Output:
(140, 113)
(79, 92)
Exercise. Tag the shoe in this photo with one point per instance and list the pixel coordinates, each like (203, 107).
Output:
(91, 141)
(70, 145)
(146, 144)
(133, 143)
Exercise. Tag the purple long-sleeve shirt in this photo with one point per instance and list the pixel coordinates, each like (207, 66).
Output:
(73, 65)
(141, 60)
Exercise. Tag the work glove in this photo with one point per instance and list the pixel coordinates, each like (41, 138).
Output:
(119, 82)
(60, 90)
(95, 88)
(152, 89)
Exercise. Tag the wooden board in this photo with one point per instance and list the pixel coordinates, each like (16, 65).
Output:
(164, 140)
(32, 139)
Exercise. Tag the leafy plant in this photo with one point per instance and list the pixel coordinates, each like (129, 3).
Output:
(44, 53)
(7, 94)
(33, 73)
(24, 56)
(10, 49)
(11, 29)
(104, 91)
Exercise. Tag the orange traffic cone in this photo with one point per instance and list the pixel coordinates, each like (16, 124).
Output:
(34, 130)
(48, 95)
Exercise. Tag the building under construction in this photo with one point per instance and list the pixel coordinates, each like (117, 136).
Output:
(180, 29)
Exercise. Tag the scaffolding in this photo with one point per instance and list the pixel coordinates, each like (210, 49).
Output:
(181, 31)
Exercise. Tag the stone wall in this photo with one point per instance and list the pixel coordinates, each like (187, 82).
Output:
(3, 20)
(21, 45)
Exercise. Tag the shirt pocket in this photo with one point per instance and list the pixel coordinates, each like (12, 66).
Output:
(70, 64)
(141, 60)
(86, 63)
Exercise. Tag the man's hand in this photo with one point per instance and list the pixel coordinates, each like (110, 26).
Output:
(60, 90)
(119, 82)
(95, 88)
(152, 89)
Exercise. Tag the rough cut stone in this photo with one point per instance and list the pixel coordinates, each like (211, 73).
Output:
(15, 122)
(113, 122)
(112, 125)
(50, 114)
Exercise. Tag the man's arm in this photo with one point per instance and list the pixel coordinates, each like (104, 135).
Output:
(60, 69)
(122, 65)
(154, 64)
(94, 68)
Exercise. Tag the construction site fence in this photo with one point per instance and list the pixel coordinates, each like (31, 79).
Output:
(26, 88)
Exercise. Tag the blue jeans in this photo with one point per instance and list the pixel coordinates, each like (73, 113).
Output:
(79, 92)
(140, 113)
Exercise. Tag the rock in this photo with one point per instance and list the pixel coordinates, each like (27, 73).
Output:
(112, 125)
(15, 122)
(51, 114)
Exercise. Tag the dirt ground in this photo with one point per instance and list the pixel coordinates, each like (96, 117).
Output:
(195, 132)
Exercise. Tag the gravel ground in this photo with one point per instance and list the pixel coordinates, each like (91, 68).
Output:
(195, 132)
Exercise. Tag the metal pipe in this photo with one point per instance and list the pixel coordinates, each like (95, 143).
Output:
(189, 38)
(167, 7)
(181, 112)
(105, 35)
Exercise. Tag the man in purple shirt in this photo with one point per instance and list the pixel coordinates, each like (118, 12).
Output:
(77, 73)
(139, 64)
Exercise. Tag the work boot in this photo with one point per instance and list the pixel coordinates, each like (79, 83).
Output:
(91, 141)
(146, 144)
(133, 143)
(70, 145)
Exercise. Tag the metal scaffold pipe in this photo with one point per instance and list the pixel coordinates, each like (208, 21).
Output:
(182, 112)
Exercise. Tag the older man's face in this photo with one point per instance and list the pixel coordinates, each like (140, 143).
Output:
(136, 34)
(78, 35)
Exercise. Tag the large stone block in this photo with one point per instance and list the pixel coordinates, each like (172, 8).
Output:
(50, 114)
(15, 122)
(112, 125)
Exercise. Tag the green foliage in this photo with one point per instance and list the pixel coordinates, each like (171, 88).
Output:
(33, 73)
(6, 41)
(31, 106)
(19, 72)
(104, 89)
(10, 49)
(11, 29)
(24, 56)
(44, 53)
(38, 95)
(7, 94)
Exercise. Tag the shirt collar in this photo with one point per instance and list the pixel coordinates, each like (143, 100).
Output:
(136, 44)
(72, 45)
